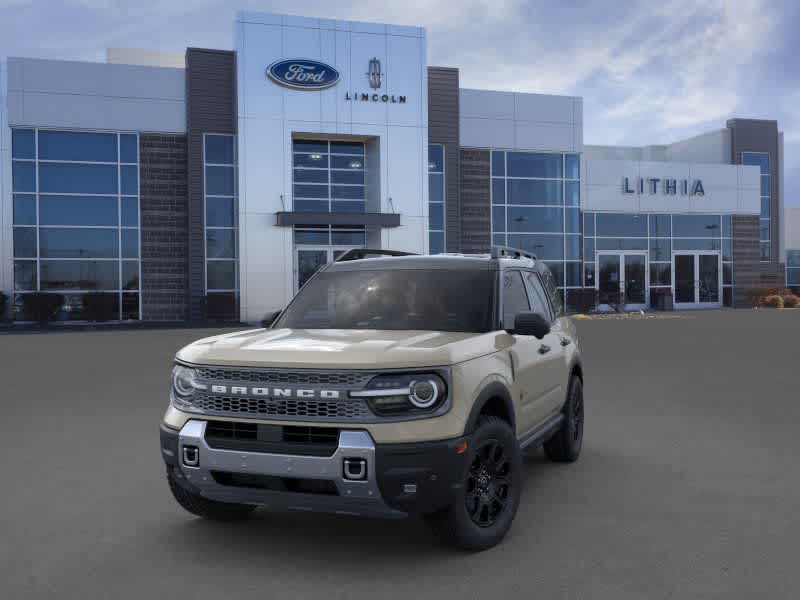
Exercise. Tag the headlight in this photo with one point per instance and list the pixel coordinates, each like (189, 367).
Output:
(184, 383)
(411, 393)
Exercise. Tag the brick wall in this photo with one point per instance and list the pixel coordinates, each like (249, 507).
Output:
(476, 217)
(746, 253)
(165, 232)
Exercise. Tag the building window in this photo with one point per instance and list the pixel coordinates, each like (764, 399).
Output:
(221, 225)
(761, 160)
(536, 207)
(76, 221)
(328, 176)
(436, 198)
(793, 268)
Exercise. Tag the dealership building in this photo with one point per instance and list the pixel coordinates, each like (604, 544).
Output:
(213, 183)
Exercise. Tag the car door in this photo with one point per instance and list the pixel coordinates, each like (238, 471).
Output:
(553, 362)
(531, 390)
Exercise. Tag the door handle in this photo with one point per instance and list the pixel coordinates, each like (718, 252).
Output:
(566, 341)
(544, 349)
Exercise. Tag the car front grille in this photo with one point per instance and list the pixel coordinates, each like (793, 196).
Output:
(274, 439)
(222, 374)
(275, 408)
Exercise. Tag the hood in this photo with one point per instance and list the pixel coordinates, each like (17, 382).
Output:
(338, 348)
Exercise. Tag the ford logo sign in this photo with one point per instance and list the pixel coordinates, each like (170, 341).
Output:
(303, 74)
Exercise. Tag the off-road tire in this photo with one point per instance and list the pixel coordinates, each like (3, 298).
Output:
(203, 507)
(565, 445)
(456, 524)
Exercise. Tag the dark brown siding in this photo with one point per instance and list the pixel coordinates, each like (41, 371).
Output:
(475, 201)
(443, 129)
(746, 253)
(164, 226)
(210, 108)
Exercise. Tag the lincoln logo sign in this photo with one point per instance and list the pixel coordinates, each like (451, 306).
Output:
(302, 74)
(667, 186)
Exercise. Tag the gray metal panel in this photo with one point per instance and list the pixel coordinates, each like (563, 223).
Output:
(210, 108)
(287, 219)
(443, 128)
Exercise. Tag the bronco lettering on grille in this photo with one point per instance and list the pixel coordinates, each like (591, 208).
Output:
(276, 392)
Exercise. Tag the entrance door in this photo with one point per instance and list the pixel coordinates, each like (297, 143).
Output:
(308, 261)
(622, 280)
(697, 279)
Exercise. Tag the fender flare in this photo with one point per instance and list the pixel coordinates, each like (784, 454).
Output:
(492, 390)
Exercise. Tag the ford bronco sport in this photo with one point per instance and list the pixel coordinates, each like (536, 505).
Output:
(391, 385)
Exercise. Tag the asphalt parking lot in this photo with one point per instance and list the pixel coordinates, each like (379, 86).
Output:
(687, 487)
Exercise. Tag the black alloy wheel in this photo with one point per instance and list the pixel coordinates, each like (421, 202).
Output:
(489, 482)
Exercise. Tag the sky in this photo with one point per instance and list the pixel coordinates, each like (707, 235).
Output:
(649, 72)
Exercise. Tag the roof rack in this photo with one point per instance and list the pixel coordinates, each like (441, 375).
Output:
(508, 252)
(359, 253)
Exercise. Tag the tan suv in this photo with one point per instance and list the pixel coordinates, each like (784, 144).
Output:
(391, 385)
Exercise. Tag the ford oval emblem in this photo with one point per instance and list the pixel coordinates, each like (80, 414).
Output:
(303, 74)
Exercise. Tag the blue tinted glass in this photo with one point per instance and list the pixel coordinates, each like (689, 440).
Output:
(130, 243)
(311, 237)
(695, 226)
(24, 275)
(220, 243)
(74, 145)
(528, 191)
(77, 179)
(320, 161)
(759, 159)
(628, 225)
(588, 224)
(23, 176)
(23, 144)
(130, 275)
(348, 238)
(219, 212)
(660, 226)
(765, 208)
(793, 258)
(436, 188)
(695, 244)
(660, 274)
(588, 273)
(221, 274)
(25, 242)
(621, 244)
(573, 274)
(310, 191)
(436, 216)
(311, 205)
(312, 175)
(77, 210)
(219, 149)
(765, 250)
(529, 164)
(535, 220)
(347, 148)
(128, 149)
(572, 190)
(310, 146)
(588, 249)
(339, 162)
(219, 181)
(764, 229)
(435, 243)
(793, 277)
(572, 245)
(24, 209)
(352, 177)
(499, 239)
(130, 212)
(545, 247)
(572, 220)
(347, 192)
(129, 176)
(498, 218)
(727, 249)
(660, 249)
(79, 275)
(573, 166)
(498, 163)
(557, 269)
(498, 191)
(435, 158)
(348, 206)
(765, 185)
(727, 226)
(78, 243)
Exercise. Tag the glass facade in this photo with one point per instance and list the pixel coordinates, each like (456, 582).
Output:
(76, 220)
(536, 207)
(761, 160)
(436, 198)
(793, 268)
(221, 223)
(328, 176)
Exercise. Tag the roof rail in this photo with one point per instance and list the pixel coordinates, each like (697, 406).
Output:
(508, 252)
(359, 253)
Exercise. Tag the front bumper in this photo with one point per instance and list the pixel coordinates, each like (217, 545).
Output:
(399, 479)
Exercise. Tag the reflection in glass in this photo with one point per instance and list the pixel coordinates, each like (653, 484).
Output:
(77, 210)
(55, 242)
(80, 275)
(24, 209)
(25, 242)
(220, 243)
(24, 275)
(77, 146)
(221, 274)
(67, 178)
(219, 149)
(545, 247)
(531, 164)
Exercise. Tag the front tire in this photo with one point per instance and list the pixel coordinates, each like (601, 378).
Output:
(487, 501)
(565, 445)
(203, 507)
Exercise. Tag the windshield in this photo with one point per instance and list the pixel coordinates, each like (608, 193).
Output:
(436, 300)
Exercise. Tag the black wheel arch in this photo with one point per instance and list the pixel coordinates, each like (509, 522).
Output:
(495, 400)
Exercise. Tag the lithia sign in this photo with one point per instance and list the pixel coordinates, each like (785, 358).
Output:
(667, 186)
(306, 74)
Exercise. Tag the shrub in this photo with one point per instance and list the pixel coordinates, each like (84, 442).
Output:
(790, 301)
(773, 301)
(41, 306)
(3, 306)
(99, 306)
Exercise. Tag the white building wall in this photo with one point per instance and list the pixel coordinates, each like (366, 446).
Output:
(82, 95)
(6, 205)
(269, 115)
(713, 147)
(519, 121)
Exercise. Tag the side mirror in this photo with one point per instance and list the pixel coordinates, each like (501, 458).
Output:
(530, 323)
(269, 319)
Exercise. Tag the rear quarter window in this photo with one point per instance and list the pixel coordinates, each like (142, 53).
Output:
(552, 290)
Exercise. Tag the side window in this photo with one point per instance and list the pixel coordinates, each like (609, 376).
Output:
(515, 298)
(537, 295)
(552, 291)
